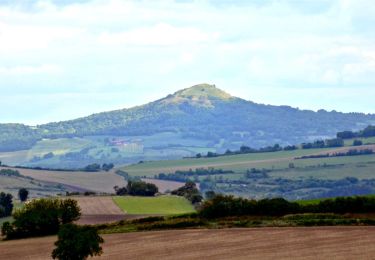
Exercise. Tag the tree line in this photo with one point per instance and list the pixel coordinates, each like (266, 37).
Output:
(226, 206)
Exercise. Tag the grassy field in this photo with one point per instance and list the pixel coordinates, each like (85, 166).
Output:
(164, 205)
(368, 140)
(316, 201)
(16, 205)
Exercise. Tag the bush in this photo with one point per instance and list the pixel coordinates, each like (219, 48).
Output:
(77, 242)
(42, 217)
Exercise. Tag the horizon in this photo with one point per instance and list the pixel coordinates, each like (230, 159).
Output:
(301, 109)
(59, 62)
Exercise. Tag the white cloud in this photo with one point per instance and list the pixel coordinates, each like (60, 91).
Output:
(112, 46)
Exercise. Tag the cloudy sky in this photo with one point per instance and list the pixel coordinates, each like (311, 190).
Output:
(65, 59)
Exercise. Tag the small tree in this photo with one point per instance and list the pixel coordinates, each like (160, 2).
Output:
(23, 194)
(77, 242)
(6, 204)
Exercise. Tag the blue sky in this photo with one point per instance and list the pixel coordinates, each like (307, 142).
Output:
(65, 59)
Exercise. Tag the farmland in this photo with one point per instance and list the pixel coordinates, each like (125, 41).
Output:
(161, 205)
(96, 210)
(93, 181)
(255, 243)
(282, 175)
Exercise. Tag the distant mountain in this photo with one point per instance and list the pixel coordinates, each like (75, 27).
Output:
(201, 112)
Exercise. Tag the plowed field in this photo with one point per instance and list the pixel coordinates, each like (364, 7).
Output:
(257, 243)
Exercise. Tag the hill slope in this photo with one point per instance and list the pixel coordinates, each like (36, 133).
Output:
(202, 112)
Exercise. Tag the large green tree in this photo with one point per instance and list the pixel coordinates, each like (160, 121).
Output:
(77, 243)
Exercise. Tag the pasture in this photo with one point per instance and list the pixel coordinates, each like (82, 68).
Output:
(255, 243)
(161, 205)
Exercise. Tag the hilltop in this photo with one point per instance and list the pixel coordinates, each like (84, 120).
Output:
(197, 119)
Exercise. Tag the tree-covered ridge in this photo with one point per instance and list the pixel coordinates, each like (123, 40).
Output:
(200, 112)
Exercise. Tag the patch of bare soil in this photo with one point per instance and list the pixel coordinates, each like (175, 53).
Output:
(252, 243)
(98, 210)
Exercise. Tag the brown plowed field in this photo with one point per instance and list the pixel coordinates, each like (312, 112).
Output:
(97, 210)
(253, 243)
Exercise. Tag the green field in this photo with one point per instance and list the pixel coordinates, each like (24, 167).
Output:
(16, 205)
(316, 201)
(163, 205)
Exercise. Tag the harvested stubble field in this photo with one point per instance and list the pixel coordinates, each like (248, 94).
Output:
(93, 181)
(253, 243)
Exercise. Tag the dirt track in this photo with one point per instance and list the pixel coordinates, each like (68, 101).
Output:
(256, 243)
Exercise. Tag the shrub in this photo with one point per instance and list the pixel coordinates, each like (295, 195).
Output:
(77, 242)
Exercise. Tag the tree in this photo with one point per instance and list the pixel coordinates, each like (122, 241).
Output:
(42, 217)
(69, 211)
(92, 168)
(210, 194)
(357, 142)
(141, 188)
(23, 194)
(106, 167)
(189, 191)
(77, 242)
(6, 204)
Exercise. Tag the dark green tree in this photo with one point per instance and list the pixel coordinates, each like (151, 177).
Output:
(23, 194)
(42, 217)
(6, 204)
(77, 243)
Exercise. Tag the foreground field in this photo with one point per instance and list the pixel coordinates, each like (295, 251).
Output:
(163, 205)
(256, 243)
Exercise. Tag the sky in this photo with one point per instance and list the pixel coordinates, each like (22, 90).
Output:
(61, 60)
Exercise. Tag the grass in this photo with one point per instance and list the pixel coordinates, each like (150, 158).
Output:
(316, 201)
(163, 205)
(368, 140)
(16, 205)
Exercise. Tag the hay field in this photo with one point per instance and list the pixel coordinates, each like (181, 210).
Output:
(253, 243)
